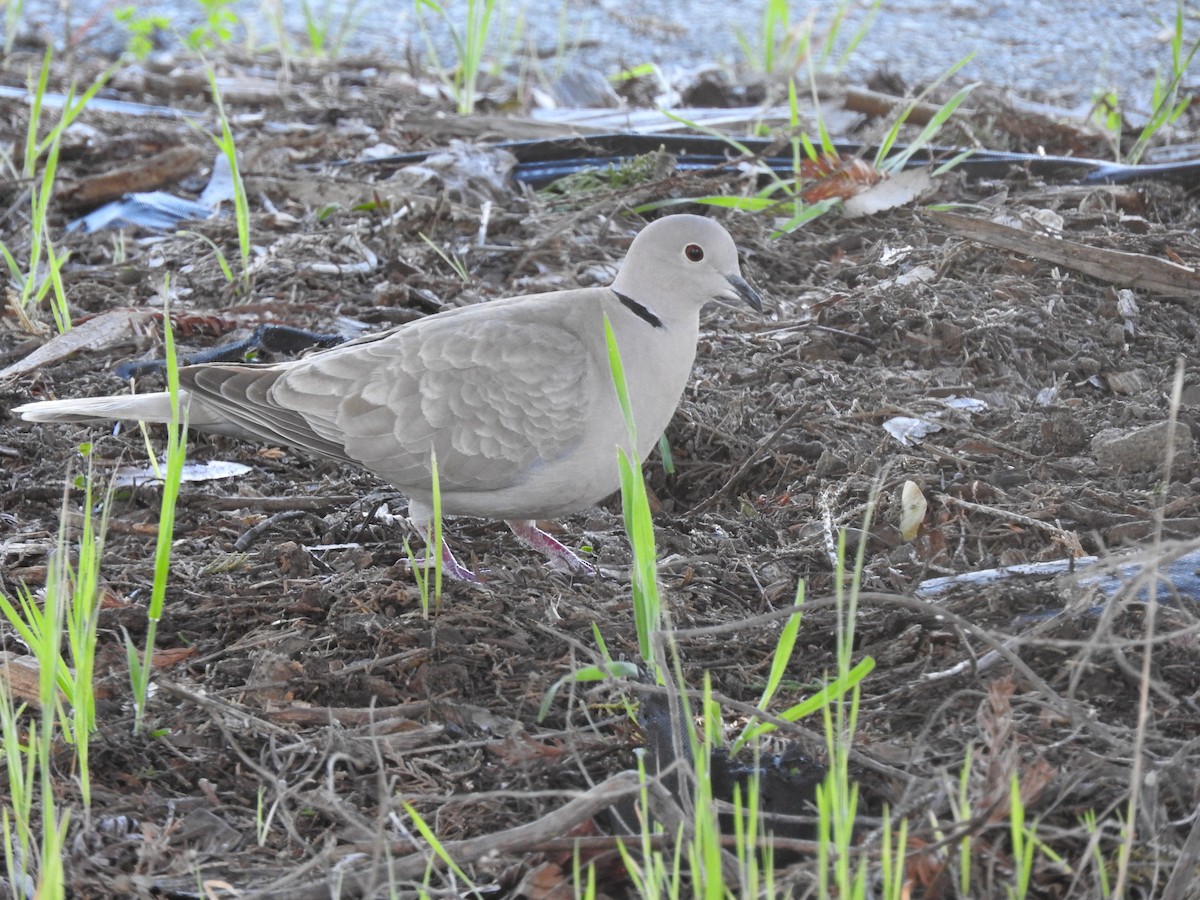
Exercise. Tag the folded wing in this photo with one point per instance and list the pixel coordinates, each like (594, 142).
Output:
(497, 397)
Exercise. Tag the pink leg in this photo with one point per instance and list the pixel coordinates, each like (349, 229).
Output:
(559, 556)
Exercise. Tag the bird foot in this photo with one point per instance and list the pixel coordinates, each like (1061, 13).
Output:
(560, 557)
(451, 567)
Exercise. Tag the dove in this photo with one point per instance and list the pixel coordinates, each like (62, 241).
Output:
(514, 397)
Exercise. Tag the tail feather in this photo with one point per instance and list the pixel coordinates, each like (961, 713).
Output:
(146, 408)
(143, 407)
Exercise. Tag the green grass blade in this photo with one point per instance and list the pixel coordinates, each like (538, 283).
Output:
(885, 146)
(639, 527)
(944, 112)
(859, 34)
(436, 845)
(241, 203)
(176, 455)
(810, 212)
(831, 693)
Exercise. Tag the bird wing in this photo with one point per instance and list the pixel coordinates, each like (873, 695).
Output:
(496, 394)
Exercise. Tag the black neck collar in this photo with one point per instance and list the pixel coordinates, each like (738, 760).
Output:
(642, 312)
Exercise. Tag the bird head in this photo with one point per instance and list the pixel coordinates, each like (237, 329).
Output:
(684, 259)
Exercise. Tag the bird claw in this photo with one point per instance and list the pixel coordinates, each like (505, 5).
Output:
(558, 555)
(451, 567)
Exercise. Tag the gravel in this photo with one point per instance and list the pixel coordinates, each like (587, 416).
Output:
(1067, 50)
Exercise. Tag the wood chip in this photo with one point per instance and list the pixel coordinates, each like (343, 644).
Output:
(1136, 270)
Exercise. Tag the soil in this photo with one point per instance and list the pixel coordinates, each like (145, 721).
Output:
(300, 691)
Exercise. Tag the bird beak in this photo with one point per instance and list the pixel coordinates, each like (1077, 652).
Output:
(743, 289)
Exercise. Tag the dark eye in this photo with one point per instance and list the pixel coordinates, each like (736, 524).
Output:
(694, 252)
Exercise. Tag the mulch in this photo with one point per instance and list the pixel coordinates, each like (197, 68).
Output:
(301, 692)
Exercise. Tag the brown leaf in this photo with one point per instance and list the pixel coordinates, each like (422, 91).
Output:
(167, 658)
(546, 882)
(835, 177)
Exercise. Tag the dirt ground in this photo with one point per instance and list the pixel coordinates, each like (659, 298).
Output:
(300, 694)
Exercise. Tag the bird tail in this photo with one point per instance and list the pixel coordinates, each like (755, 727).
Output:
(143, 407)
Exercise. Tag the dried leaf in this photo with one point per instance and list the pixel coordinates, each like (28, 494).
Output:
(899, 190)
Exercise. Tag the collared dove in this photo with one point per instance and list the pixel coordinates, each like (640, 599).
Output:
(514, 396)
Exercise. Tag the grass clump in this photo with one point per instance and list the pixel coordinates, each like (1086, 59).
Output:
(13, 10)
(470, 42)
(780, 47)
(820, 179)
(40, 277)
(60, 635)
(1166, 104)
(217, 28)
(583, 187)
(141, 27)
(326, 37)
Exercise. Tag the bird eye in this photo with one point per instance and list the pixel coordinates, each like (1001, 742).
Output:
(694, 252)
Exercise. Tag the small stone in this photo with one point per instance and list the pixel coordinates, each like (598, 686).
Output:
(1191, 395)
(1140, 449)
(830, 464)
(1125, 383)
(583, 89)
(294, 560)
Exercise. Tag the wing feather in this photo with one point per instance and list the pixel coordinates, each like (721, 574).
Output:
(240, 394)
(498, 393)
(497, 397)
